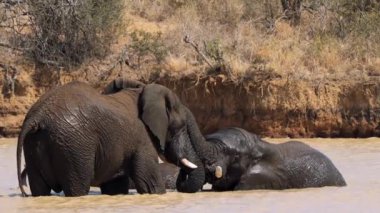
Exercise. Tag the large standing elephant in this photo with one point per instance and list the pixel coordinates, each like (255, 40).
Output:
(240, 160)
(73, 138)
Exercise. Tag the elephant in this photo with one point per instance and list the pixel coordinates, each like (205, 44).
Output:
(73, 137)
(244, 161)
(235, 159)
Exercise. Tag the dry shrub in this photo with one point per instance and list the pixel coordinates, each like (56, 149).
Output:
(154, 10)
(144, 44)
(68, 32)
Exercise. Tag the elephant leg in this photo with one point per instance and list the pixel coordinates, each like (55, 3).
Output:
(37, 184)
(78, 181)
(75, 169)
(36, 167)
(146, 172)
(118, 185)
(75, 186)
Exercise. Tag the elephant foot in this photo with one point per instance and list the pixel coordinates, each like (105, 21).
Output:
(146, 173)
(119, 185)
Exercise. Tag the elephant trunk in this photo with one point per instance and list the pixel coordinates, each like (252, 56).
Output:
(191, 180)
(192, 174)
(205, 150)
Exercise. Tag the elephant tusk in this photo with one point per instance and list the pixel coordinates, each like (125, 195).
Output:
(189, 164)
(218, 172)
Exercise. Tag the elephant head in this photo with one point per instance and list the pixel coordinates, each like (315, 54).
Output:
(226, 153)
(166, 120)
(237, 150)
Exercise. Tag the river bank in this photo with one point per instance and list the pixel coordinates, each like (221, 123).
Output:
(271, 107)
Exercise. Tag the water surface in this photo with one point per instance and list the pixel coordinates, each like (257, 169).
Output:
(357, 159)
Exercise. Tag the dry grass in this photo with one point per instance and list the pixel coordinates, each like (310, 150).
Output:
(251, 35)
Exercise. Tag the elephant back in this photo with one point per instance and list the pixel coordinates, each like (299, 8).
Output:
(120, 84)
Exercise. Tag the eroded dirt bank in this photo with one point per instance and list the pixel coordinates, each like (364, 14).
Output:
(273, 108)
(281, 108)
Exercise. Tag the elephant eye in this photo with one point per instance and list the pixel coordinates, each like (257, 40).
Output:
(210, 162)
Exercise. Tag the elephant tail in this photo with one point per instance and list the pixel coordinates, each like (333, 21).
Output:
(29, 126)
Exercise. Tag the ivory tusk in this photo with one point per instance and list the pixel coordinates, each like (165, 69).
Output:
(189, 164)
(218, 172)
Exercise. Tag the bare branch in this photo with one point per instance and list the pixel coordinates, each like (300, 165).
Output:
(187, 40)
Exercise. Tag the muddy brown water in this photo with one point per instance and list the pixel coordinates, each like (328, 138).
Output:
(357, 159)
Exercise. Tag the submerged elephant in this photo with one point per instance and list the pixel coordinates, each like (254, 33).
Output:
(235, 159)
(243, 161)
(239, 160)
(74, 138)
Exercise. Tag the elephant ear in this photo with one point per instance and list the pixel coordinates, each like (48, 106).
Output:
(255, 144)
(121, 83)
(156, 103)
(239, 141)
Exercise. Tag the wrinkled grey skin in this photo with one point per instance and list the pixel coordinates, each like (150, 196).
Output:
(74, 138)
(249, 162)
(183, 179)
(179, 144)
(169, 173)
